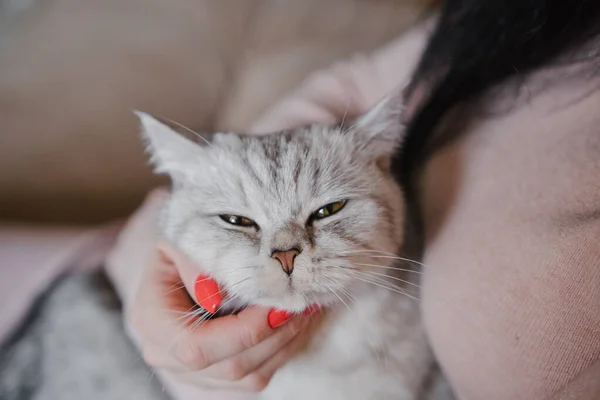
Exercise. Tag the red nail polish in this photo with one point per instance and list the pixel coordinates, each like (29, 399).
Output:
(208, 294)
(312, 309)
(278, 317)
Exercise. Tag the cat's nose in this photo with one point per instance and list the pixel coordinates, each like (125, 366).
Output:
(286, 259)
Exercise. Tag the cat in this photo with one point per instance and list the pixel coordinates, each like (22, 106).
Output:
(307, 216)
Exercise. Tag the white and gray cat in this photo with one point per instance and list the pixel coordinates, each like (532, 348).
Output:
(302, 217)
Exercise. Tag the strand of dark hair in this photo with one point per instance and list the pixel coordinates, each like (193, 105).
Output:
(478, 44)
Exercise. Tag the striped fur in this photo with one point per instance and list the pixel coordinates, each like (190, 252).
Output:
(279, 180)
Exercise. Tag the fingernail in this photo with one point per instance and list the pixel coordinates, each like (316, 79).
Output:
(312, 309)
(278, 317)
(208, 294)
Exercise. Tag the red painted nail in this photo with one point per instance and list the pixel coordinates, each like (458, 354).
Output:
(208, 294)
(312, 309)
(278, 317)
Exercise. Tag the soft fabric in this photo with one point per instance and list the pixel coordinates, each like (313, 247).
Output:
(31, 258)
(512, 212)
(72, 347)
(510, 290)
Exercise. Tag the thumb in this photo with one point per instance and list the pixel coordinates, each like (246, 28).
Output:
(202, 288)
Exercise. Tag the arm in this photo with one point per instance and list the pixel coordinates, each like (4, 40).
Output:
(349, 88)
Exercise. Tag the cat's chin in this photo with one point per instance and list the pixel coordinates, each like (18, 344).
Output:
(294, 304)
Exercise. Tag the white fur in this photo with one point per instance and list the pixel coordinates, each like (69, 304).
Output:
(370, 346)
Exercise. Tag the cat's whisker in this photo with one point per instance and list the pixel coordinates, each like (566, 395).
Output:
(390, 268)
(237, 309)
(391, 256)
(381, 363)
(181, 312)
(249, 267)
(238, 282)
(348, 295)
(202, 322)
(239, 268)
(203, 316)
(190, 328)
(390, 287)
(342, 300)
(222, 291)
(191, 314)
(350, 127)
(344, 116)
(385, 276)
(367, 251)
(342, 290)
(189, 130)
(198, 323)
(236, 269)
(402, 259)
(221, 306)
(175, 288)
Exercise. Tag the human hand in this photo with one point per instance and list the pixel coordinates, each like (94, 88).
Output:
(240, 351)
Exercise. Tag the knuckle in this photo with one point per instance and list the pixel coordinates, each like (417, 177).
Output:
(137, 321)
(250, 338)
(294, 326)
(235, 370)
(256, 382)
(149, 357)
(193, 358)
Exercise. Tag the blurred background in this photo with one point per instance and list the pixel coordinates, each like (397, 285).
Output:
(71, 71)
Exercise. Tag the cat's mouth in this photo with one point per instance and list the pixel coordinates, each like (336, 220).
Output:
(292, 293)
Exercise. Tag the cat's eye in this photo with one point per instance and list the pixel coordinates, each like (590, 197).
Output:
(238, 220)
(328, 210)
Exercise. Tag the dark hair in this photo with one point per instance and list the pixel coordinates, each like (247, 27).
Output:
(476, 45)
(480, 43)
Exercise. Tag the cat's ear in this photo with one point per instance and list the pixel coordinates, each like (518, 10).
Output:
(171, 151)
(380, 130)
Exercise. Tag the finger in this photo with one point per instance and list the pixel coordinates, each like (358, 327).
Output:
(208, 294)
(231, 369)
(196, 380)
(162, 308)
(238, 366)
(260, 378)
(255, 381)
(227, 336)
(185, 270)
(202, 288)
(156, 357)
(179, 328)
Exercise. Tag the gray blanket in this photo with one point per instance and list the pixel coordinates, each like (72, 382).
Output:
(73, 347)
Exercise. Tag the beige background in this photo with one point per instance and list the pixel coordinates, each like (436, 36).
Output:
(71, 71)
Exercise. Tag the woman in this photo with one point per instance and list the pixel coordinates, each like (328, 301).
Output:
(501, 159)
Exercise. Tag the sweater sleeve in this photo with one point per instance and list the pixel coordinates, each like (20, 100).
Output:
(350, 87)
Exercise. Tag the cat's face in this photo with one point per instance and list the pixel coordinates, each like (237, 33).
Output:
(283, 220)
